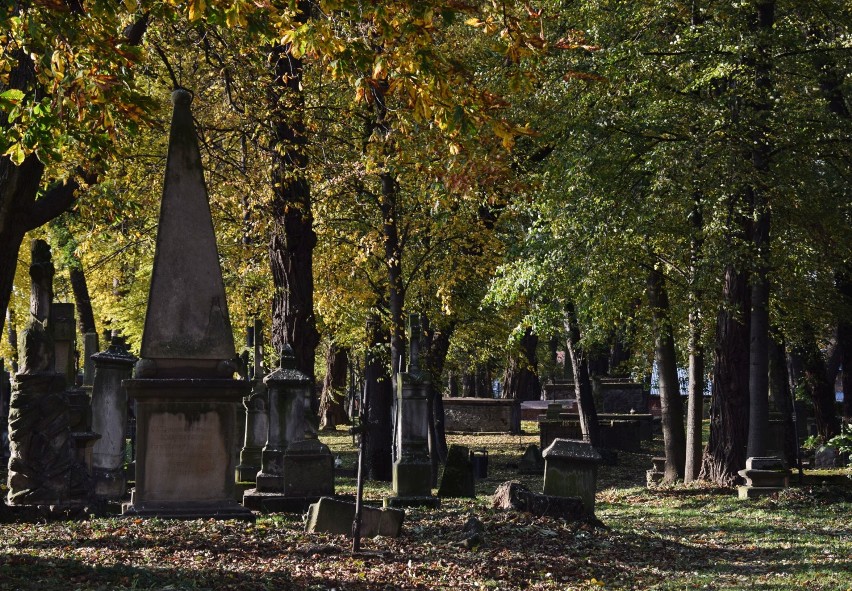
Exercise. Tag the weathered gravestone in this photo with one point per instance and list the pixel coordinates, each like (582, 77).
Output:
(296, 468)
(571, 470)
(186, 397)
(257, 412)
(532, 461)
(43, 468)
(458, 480)
(334, 516)
(412, 470)
(109, 418)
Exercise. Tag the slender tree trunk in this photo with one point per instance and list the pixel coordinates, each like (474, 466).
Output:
(85, 315)
(293, 238)
(332, 410)
(695, 410)
(726, 449)
(674, 437)
(759, 322)
(521, 382)
(379, 454)
(582, 384)
(393, 260)
(435, 349)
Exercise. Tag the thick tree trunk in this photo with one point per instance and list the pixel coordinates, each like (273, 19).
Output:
(332, 410)
(521, 382)
(293, 238)
(12, 335)
(379, 453)
(759, 322)
(845, 337)
(726, 449)
(674, 437)
(582, 384)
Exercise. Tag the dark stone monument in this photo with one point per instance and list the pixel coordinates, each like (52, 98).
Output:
(109, 418)
(185, 394)
(412, 470)
(257, 413)
(532, 461)
(763, 476)
(296, 468)
(571, 470)
(458, 480)
(42, 462)
(515, 496)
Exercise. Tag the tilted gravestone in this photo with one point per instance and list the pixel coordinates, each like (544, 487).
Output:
(185, 394)
(458, 480)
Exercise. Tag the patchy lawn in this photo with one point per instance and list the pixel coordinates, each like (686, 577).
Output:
(678, 538)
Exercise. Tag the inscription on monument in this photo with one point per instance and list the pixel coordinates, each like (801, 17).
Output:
(183, 456)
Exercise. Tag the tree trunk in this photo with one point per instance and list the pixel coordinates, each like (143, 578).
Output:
(435, 347)
(674, 438)
(695, 410)
(85, 316)
(759, 322)
(820, 390)
(379, 454)
(521, 382)
(12, 334)
(726, 449)
(393, 260)
(293, 238)
(332, 409)
(845, 337)
(582, 383)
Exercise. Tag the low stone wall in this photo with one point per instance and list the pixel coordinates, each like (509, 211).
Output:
(624, 433)
(482, 415)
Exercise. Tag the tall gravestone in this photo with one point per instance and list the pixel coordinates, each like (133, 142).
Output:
(185, 394)
(256, 413)
(412, 469)
(109, 418)
(42, 459)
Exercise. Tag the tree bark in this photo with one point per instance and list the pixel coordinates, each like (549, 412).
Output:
(780, 398)
(293, 239)
(436, 344)
(726, 449)
(521, 382)
(85, 315)
(820, 390)
(379, 453)
(759, 322)
(695, 409)
(332, 410)
(582, 384)
(674, 437)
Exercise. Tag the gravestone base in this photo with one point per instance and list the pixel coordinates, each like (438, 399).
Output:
(335, 516)
(429, 502)
(764, 476)
(185, 440)
(308, 469)
(249, 465)
(276, 502)
(657, 473)
(110, 484)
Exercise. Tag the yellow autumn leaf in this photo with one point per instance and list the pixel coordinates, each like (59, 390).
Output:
(196, 9)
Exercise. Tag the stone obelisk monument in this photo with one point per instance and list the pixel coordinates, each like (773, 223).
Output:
(186, 397)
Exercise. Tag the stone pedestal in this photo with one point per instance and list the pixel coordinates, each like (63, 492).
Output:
(109, 418)
(185, 434)
(571, 470)
(764, 476)
(42, 451)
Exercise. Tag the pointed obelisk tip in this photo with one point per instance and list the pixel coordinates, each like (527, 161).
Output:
(181, 96)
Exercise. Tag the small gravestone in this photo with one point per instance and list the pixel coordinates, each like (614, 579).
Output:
(826, 458)
(457, 480)
(657, 473)
(764, 476)
(554, 409)
(334, 516)
(571, 470)
(532, 461)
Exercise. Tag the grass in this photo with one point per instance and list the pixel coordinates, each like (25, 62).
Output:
(667, 538)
